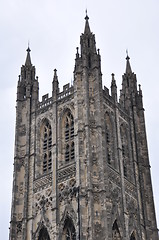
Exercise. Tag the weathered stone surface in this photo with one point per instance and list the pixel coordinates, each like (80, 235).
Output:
(81, 167)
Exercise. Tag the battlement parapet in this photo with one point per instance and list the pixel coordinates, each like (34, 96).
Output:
(107, 95)
(46, 101)
(67, 90)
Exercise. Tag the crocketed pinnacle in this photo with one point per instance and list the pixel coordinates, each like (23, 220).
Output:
(55, 78)
(113, 79)
(128, 67)
(87, 28)
(28, 58)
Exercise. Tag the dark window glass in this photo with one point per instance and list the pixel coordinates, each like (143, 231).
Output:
(47, 145)
(69, 137)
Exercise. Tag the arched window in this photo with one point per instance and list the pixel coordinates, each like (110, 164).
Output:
(69, 137)
(69, 232)
(132, 237)
(43, 235)
(115, 232)
(47, 147)
(72, 151)
(125, 150)
(109, 140)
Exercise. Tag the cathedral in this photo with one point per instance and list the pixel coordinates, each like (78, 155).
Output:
(81, 165)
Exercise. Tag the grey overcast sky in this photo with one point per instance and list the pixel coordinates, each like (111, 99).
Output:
(53, 29)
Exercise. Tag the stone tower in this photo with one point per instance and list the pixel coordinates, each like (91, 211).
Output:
(81, 166)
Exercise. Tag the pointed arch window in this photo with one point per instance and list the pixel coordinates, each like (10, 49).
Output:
(109, 140)
(69, 138)
(132, 237)
(69, 232)
(125, 149)
(47, 147)
(115, 232)
(43, 235)
(72, 151)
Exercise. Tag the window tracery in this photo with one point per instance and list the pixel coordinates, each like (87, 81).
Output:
(69, 138)
(43, 235)
(132, 237)
(109, 139)
(69, 232)
(47, 147)
(125, 150)
(115, 232)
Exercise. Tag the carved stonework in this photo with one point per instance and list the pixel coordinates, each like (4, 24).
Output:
(19, 227)
(130, 189)
(114, 177)
(21, 188)
(131, 205)
(43, 182)
(22, 154)
(22, 130)
(43, 202)
(19, 164)
(94, 159)
(96, 198)
(114, 192)
(95, 187)
(19, 216)
(97, 229)
(66, 172)
(67, 191)
(81, 165)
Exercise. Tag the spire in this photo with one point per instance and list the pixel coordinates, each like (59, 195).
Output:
(87, 28)
(55, 85)
(113, 87)
(140, 91)
(28, 58)
(55, 78)
(128, 67)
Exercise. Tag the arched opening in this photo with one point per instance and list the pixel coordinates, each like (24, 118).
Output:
(46, 147)
(69, 232)
(115, 232)
(125, 150)
(69, 137)
(109, 140)
(132, 237)
(43, 234)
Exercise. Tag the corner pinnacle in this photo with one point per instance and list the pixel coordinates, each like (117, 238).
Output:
(87, 28)
(28, 58)
(128, 67)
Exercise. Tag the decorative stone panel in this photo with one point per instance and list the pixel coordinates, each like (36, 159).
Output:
(66, 172)
(43, 182)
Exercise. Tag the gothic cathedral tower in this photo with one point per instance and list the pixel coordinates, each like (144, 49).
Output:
(81, 166)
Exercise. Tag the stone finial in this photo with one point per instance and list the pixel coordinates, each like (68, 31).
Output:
(77, 53)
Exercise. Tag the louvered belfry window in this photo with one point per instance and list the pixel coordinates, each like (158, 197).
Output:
(125, 149)
(47, 147)
(69, 138)
(109, 139)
